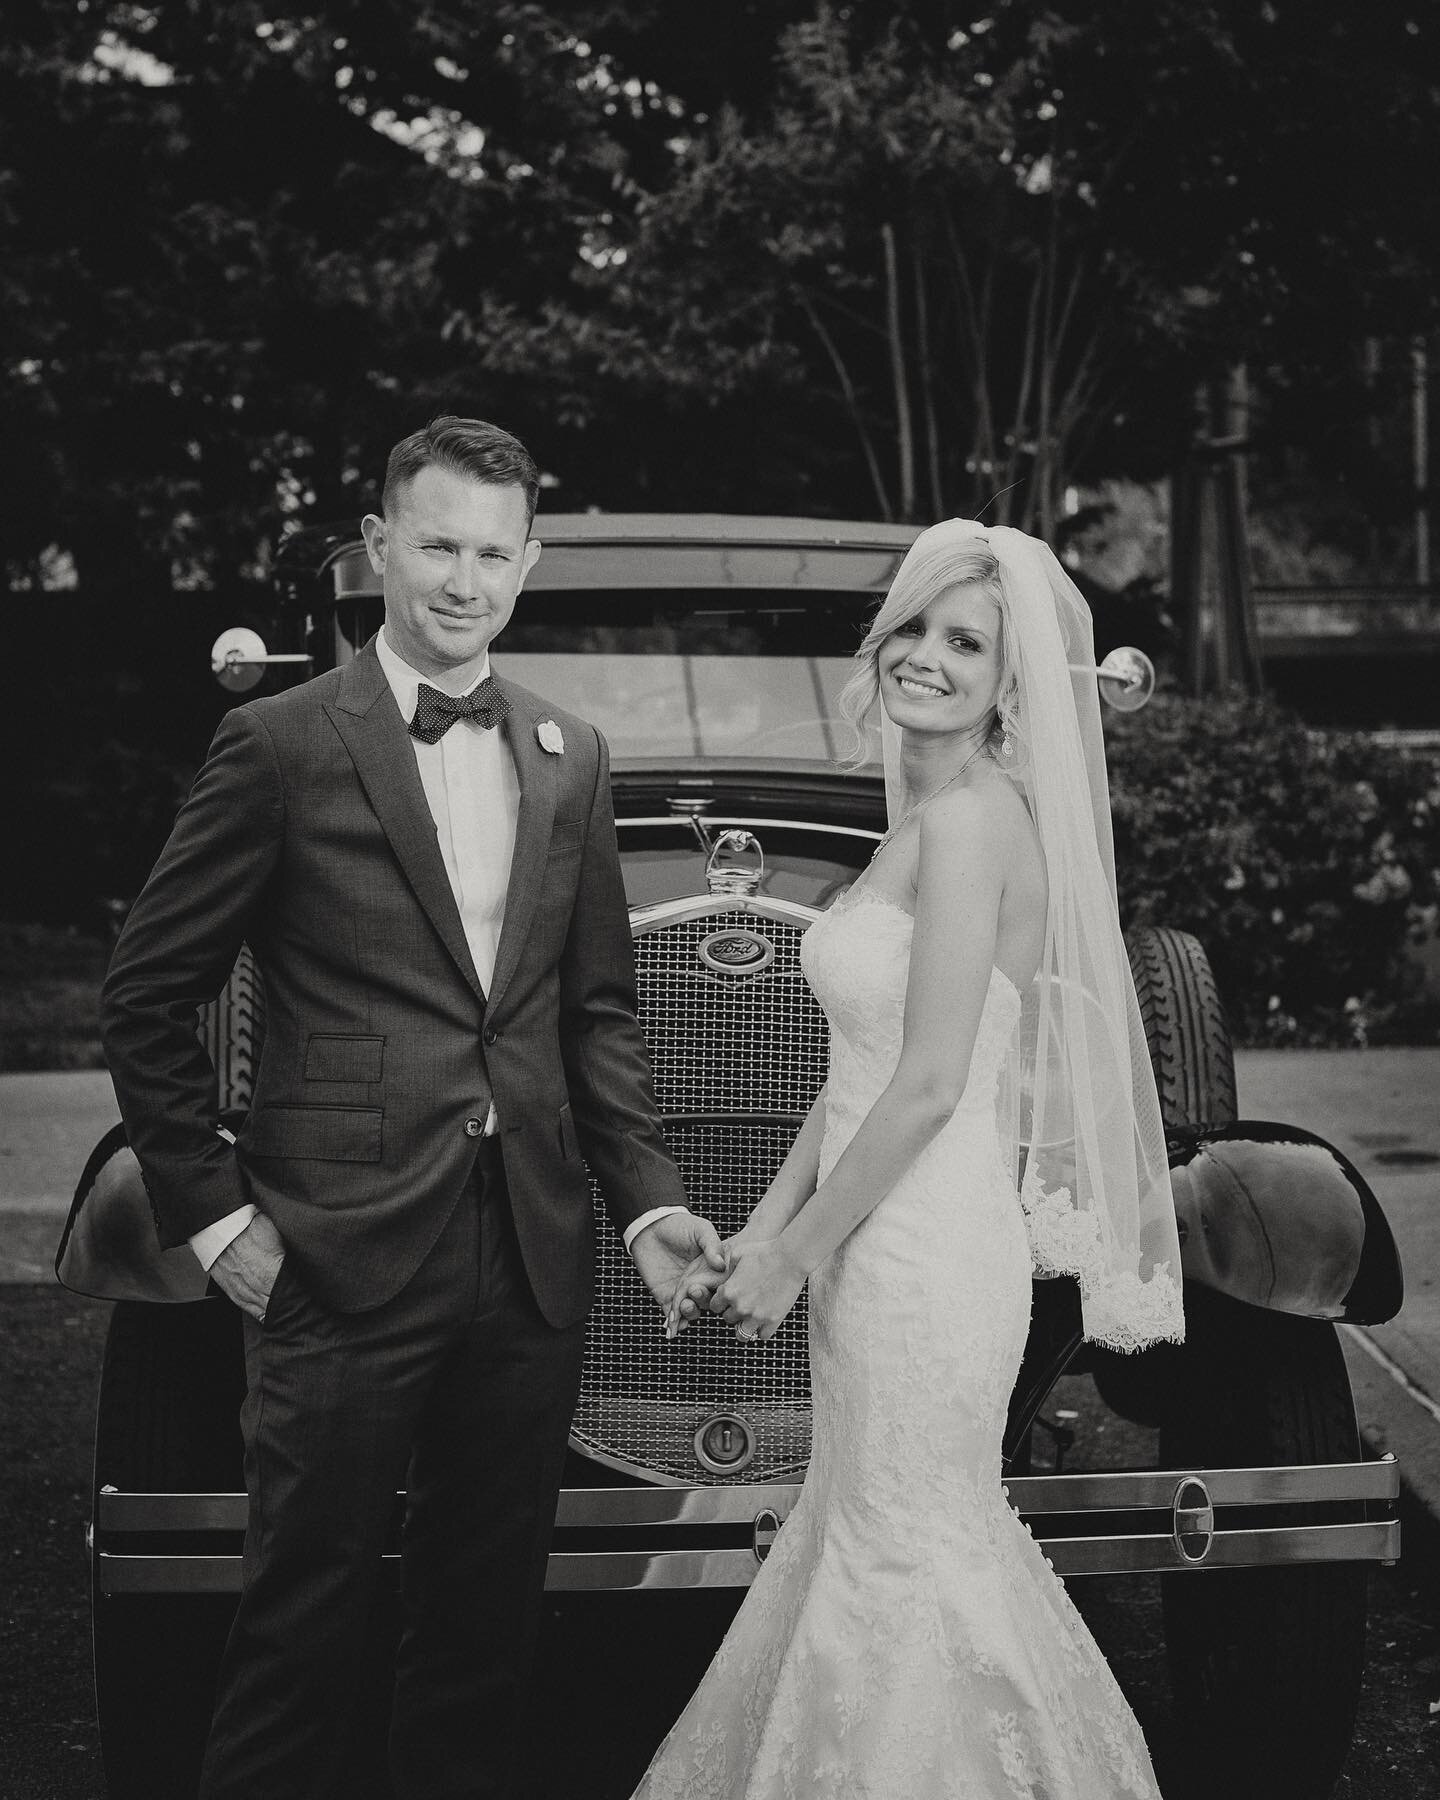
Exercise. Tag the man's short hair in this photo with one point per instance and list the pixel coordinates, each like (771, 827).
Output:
(469, 447)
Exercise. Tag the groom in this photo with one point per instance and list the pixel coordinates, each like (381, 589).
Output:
(422, 858)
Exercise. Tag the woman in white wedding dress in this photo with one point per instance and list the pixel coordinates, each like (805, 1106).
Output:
(905, 1639)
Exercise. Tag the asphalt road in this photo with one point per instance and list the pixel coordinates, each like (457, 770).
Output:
(616, 1675)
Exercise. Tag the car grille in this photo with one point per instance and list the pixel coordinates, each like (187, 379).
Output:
(738, 1061)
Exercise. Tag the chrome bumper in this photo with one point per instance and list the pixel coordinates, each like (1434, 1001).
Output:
(1130, 1523)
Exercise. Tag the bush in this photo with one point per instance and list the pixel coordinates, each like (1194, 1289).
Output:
(1307, 863)
(93, 822)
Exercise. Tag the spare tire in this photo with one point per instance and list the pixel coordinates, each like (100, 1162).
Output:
(1185, 1026)
(232, 1028)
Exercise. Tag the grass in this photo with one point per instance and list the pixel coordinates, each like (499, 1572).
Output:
(50, 982)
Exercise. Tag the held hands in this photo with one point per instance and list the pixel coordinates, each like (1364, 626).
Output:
(245, 1270)
(754, 1295)
(666, 1252)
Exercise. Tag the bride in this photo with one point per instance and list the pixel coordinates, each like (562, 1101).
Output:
(906, 1639)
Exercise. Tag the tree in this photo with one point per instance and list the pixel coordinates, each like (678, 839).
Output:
(1008, 250)
(767, 254)
(241, 251)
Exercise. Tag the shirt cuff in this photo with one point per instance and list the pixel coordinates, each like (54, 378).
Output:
(212, 1239)
(636, 1226)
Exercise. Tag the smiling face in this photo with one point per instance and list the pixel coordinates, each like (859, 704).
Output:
(453, 553)
(940, 671)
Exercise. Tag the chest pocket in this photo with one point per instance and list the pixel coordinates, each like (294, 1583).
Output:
(333, 1057)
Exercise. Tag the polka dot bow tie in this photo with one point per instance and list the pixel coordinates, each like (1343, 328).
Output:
(435, 712)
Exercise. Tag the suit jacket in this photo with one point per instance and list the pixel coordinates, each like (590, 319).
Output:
(308, 835)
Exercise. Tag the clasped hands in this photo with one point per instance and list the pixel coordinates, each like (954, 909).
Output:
(761, 1281)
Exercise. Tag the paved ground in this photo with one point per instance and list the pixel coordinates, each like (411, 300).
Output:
(48, 1126)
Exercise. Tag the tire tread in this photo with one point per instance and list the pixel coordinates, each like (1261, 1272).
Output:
(1186, 1030)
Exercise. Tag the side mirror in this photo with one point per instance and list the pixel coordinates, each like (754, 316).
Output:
(1126, 677)
(238, 659)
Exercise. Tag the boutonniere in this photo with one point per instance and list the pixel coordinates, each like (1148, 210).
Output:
(548, 733)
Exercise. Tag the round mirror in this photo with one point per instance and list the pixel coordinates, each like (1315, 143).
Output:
(1127, 679)
(238, 659)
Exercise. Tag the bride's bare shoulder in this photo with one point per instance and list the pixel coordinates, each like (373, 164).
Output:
(991, 812)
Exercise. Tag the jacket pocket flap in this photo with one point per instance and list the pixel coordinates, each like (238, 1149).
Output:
(335, 1058)
(324, 1133)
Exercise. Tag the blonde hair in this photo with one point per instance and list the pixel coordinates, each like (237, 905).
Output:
(971, 564)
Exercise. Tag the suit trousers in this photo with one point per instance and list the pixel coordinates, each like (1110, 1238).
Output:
(459, 1391)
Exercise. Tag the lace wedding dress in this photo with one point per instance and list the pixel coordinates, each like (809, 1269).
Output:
(905, 1639)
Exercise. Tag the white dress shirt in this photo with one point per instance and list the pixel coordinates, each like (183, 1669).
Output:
(473, 794)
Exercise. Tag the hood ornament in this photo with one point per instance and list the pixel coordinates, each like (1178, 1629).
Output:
(736, 864)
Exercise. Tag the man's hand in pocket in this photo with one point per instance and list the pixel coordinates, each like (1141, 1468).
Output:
(246, 1268)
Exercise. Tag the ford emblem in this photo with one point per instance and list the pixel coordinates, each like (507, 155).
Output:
(736, 952)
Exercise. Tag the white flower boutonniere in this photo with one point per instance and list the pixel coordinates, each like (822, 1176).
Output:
(548, 733)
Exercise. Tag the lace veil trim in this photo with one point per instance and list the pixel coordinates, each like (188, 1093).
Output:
(1122, 1310)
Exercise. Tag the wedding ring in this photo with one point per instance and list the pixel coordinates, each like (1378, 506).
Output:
(746, 1337)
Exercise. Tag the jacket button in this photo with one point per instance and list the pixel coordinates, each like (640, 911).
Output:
(491, 1035)
(473, 1127)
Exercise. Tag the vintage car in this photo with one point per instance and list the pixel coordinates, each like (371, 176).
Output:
(711, 650)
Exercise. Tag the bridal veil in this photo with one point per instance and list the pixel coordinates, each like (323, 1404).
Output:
(1078, 1108)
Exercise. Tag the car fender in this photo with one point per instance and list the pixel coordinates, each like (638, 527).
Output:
(109, 1249)
(1275, 1216)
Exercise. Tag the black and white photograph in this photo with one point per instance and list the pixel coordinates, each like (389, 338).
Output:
(720, 900)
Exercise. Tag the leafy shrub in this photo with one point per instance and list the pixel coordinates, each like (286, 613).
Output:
(88, 833)
(1307, 863)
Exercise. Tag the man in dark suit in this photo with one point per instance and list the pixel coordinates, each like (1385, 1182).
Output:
(422, 858)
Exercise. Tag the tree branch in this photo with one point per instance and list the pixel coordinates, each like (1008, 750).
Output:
(904, 424)
(927, 380)
(847, 388)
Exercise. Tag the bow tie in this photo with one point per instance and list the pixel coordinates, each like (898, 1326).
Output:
(435, 712)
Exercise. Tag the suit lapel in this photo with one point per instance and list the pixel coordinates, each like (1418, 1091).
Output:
(537, 774)
(369, 723)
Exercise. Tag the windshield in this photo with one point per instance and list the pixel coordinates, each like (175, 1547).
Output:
(682, 673)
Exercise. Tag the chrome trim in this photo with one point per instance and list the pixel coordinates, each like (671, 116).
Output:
(1131, 1490)
(1193, 1514)
(117, 1511)
(581, 1507)
(577, 1508)
(660, 913)
(613, 1570)
(705, 1455)
(764, 1533)
(751, 823)
(171, 1574)
(1268, 1547)
(1143, 1489)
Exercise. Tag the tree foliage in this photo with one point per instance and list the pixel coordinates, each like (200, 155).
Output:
(1007, 248)
(1308, 864)
(764, 254)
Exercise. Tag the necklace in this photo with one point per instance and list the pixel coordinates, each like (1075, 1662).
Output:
(934, 794)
